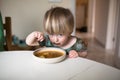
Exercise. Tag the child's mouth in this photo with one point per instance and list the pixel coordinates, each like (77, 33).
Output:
(57, 43)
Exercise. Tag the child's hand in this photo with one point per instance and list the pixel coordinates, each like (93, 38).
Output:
(73, 54)
(39, 36)
(33, 38)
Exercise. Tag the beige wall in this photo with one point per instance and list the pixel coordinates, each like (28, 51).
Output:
(117, 47)
(27, 15)
(101, 19)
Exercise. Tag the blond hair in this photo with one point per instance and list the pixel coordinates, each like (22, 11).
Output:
(58, 20)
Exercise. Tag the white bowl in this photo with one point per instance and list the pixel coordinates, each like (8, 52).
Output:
(42, 59)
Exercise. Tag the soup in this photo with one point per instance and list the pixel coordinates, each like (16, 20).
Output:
(48, 54)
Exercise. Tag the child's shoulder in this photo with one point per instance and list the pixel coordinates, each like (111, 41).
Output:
(82, 41)
(76, 39)
(73, 39)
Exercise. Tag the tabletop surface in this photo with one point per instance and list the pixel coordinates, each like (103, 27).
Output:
(21, 65)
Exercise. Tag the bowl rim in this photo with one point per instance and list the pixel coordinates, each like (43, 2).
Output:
(54, 49)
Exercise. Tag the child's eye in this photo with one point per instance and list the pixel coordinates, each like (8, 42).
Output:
(60, 35)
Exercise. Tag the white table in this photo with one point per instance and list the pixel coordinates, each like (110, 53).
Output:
(21, 65)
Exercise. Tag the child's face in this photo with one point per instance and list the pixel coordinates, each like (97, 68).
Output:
(59, 40)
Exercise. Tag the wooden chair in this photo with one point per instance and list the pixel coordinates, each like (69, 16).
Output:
(8, 37)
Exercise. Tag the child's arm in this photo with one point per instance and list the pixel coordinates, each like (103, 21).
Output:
(33, 38)
(80, 49)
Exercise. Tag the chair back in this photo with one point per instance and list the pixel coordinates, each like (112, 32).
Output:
(6, 37)
(8, 33)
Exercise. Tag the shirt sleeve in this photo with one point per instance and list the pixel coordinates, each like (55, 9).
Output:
(80, 45)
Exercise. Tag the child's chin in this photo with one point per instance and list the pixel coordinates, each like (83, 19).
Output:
(57, 45)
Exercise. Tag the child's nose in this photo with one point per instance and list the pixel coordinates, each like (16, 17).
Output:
(55, 39)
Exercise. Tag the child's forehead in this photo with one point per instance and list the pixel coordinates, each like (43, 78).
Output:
(57, 34)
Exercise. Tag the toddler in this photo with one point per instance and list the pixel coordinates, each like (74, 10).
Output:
(58, 25)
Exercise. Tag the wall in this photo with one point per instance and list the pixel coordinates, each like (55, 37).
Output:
(27, 15)
(91, 13)
(112, 29)
(117, 47)
(101, 19)
(81, 13)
